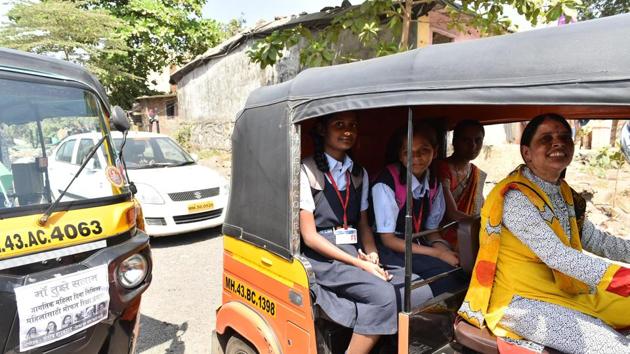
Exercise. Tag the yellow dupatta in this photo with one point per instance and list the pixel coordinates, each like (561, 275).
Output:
(475, 306)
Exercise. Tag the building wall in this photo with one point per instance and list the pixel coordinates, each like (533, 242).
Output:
(211, 96)
(158, 104)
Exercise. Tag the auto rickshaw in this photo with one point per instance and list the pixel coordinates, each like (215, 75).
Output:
(581, 71)
(71, 272)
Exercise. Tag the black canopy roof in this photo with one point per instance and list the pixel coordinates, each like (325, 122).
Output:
(585, 63)
(47, 67)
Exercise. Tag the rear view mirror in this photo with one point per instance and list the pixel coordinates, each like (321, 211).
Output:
(119, 120)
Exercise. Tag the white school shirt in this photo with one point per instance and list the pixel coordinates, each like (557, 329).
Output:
(338, 171)
(386, 209)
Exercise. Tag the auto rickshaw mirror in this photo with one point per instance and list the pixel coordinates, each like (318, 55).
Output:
(119, 119)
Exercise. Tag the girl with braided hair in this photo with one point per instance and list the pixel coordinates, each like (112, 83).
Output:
(351, 288)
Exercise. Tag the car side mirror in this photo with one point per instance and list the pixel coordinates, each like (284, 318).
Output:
(119, 120)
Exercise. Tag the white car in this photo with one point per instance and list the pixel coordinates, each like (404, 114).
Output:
(177, 195)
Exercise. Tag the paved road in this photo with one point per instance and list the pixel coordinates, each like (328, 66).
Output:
(178, 309)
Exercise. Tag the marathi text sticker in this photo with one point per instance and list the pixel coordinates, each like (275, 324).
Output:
(57, 308)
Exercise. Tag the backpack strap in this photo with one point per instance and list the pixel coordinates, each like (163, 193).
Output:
(400, 190)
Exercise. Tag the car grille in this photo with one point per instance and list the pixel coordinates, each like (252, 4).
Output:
(194, 195)
(207, 215)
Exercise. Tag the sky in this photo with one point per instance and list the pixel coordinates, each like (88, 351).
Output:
(254, 10)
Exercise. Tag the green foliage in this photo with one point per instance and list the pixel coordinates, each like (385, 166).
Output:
(158, 33)
(183, 136)
(602, 8)
(64, 29)
(606, 158)
(378, 26)
(121, 41)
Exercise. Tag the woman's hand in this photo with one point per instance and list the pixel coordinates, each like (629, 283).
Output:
(448, 256)
(370, 257)
(375, 270)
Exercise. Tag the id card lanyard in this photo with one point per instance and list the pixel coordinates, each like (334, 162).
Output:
(417, 220)
(344, 204)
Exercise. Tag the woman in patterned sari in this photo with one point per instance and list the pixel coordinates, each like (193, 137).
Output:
(531, 279)
(462, 181)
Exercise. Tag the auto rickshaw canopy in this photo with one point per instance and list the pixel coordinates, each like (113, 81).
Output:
(580, 70)
(48, 100)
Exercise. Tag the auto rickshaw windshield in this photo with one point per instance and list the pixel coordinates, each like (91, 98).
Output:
(38, 154)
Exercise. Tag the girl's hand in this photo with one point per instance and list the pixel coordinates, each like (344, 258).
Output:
(375, 270)
(448, 256)
(371, 257)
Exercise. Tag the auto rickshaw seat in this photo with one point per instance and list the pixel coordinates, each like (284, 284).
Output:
(468, 242)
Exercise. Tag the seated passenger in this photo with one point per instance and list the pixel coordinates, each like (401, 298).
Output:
(389, 198)
(352, 289)
(462, 181)
(531, 279)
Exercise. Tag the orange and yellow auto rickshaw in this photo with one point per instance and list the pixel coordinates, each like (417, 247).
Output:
(72, 270)
(579, 71)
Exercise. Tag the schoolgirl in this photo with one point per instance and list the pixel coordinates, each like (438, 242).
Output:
(434, 255)
(352, 289)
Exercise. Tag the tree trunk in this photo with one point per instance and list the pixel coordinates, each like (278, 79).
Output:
(406, 25)
(613, 133)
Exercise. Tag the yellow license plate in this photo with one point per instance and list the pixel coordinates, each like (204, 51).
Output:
(34, 240)
(249, 295)
(201, 206)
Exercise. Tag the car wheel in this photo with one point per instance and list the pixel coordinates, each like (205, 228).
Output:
(236, 345)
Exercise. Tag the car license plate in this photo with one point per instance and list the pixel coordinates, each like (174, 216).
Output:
(200, 206)
(57, 308)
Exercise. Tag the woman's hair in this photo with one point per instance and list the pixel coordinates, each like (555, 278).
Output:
(317, 134)
(395, 144)
(466, 123)
(532, 126)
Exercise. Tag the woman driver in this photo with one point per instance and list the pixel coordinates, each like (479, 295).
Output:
(531, 279)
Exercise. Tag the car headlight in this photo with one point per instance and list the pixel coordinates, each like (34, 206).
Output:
(225, 188)
(148, 195)
(132, 271)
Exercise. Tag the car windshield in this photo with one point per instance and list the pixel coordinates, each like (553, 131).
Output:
(153, 152)
(34, 120)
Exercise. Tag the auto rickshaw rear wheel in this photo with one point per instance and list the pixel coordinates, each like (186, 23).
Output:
(236, 345)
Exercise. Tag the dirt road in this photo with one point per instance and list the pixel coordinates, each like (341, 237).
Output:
(178, 309)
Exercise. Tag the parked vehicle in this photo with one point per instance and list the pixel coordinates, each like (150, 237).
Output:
(177, 194)
(71, 272)
(267, 305)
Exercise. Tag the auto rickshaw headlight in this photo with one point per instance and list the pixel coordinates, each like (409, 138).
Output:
(132, 271)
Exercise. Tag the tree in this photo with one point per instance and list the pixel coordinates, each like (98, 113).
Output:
(65, 30)
(121, 41)
(158, 33)
(602, 8)
(384, 26)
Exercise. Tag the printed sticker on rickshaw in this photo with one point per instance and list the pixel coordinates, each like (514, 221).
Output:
(57, 308)
(30, 241)
(200, 206)
(249, 295)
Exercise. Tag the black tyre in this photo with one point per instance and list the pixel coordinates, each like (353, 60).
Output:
(236, 345)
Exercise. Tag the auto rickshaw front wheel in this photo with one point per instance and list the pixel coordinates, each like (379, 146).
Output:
(236, 345)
